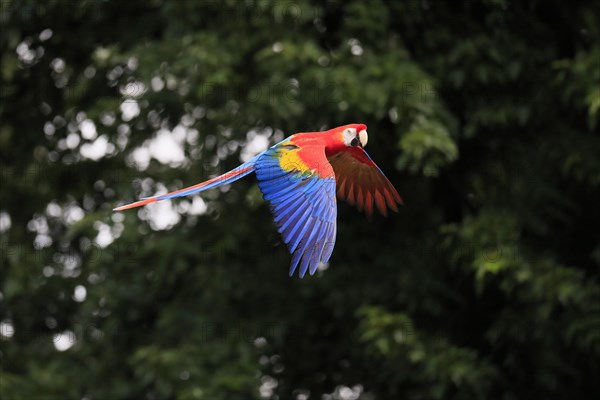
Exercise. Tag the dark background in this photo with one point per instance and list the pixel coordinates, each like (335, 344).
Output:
(484, 114)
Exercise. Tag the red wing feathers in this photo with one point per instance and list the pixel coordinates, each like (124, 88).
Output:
(361, 183)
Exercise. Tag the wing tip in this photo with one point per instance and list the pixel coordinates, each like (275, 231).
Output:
(400, 202)
(399, 199)
(395, 200)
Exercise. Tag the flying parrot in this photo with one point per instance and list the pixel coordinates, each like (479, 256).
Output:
(300, 177)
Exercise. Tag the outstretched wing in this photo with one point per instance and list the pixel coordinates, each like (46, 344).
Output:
(360, 182)
(300, 185)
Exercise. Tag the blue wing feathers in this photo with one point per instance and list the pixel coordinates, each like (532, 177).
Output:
(308, 250)
(291, 205)
(290, 190)
(296, 233)
(279, 183)
(316, 255)
(290, 201)
(298, 216)
(295, 259)
(293, 220)
(304, 209)
(329, 244)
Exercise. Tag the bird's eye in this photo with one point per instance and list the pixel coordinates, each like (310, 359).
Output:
(350, 137)
(354, 142)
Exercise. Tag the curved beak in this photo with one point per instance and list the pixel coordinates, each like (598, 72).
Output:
(363, 138)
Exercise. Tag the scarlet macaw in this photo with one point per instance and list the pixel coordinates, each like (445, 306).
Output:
(299, 177)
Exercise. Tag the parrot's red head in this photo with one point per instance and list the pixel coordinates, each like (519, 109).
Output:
(354, 134)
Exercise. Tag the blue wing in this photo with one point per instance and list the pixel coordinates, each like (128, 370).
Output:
(304, 207)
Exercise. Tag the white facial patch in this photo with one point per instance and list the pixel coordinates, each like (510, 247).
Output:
(349, 135)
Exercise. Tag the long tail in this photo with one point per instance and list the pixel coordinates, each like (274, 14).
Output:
(229, 177)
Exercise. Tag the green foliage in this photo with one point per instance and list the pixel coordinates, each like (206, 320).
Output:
(485, 116)
(427, 146)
